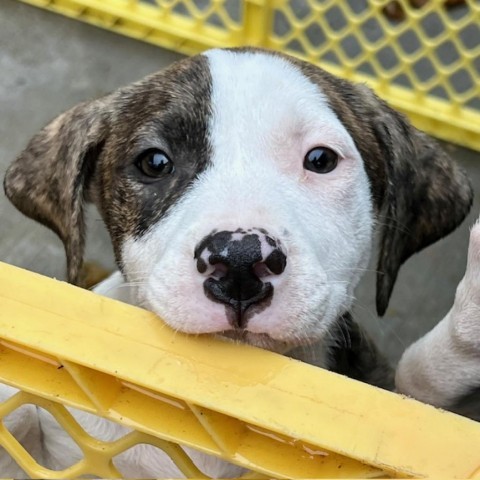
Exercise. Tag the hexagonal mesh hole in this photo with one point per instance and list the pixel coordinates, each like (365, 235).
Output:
(351, 46)
(295, 46)
(447, 53)
(215, 20)
(473, 103)
(366, 68)
(100, 428)
(358, 6)
(372, 29)
(432, 25)
(181, 9)
(202, 5)
(388, 58)
(209, 11)
(281, 24)
(461, 81)
(26, 424)
(409, 42)
(301, 9)
(470, 36)
(23, 424)
(331, 57)
(159, 464)
(234, 9)
(424, 69)
(336, 19)
(315, 35)
(440, 92)
(403, 81)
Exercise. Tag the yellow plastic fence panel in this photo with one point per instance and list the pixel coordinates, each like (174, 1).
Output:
(424, 62)
(66, 347)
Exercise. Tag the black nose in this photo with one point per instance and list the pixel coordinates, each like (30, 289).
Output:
(235, 264)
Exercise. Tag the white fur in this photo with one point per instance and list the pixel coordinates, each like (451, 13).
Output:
(444, 365)
(266, 116)
(114, 287)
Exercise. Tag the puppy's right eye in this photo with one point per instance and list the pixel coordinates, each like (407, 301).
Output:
(154, 163)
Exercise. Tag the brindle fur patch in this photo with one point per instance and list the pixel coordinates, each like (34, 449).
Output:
(88, 153)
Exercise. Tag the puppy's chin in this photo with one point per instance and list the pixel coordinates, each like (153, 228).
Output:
(260, 340)
(267, 330)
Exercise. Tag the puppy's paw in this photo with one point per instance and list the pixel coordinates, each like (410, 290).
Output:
(465, 314)
(444, 365)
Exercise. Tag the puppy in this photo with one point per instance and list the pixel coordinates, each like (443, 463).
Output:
(443, 367)
(242, 190)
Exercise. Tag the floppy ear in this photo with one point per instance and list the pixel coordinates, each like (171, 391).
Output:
(427, 195)
(50, 179)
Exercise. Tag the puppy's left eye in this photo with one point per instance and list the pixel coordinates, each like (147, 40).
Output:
(320, 160)
(154, 163)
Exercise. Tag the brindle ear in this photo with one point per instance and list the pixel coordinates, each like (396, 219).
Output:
(427, 195)
(50, 179)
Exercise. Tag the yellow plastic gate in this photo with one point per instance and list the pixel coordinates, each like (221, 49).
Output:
(426, 63)
(63, 346)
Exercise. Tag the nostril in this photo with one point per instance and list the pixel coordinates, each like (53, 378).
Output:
(276, 262)
(260, 270)
(219, 270)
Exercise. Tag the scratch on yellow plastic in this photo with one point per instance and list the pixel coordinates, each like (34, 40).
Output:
(191, 26)
(63, 346)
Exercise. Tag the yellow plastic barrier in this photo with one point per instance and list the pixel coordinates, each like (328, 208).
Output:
(426, 64)
(61, 345)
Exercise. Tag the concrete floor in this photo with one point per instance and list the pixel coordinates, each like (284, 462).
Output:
(49, 63)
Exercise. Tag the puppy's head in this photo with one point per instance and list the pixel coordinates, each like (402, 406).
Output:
(242, 190)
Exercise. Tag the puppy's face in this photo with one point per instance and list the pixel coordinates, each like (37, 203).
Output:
(253, 163)
(241, 190)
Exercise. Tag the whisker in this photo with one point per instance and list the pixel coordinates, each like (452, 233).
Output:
(394, 221)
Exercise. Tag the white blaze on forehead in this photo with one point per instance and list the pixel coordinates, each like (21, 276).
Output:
(263, 98)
